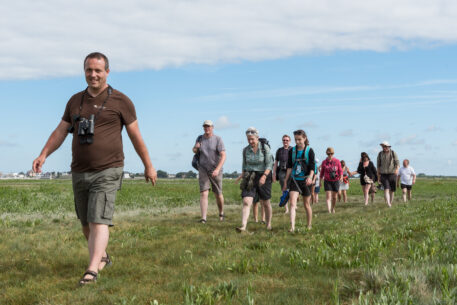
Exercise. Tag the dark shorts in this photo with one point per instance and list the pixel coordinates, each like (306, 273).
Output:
(405, 186)
(264, 191)
(333, 186)
(305, 189)
(207, 181)
(281, 177)
(317, 189)
(389, 181)
(95, 193)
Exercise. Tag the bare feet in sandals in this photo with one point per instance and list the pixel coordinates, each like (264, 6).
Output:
(89, 277)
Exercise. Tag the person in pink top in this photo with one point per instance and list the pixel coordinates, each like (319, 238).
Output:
(332, 173)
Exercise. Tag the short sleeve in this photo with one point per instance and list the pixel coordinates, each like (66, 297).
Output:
(128, 113)
(220, 145)
(66, 115)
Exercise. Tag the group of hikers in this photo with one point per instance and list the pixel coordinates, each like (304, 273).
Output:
(298, 171)
(96, 116)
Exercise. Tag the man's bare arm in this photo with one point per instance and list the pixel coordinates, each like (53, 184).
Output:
(137, 140)
(55, 140)
(220, 164)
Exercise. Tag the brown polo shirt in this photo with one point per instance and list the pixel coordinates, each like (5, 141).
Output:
(106, 151)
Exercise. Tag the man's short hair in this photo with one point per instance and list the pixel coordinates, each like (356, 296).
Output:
(285, 136)
(97, 55)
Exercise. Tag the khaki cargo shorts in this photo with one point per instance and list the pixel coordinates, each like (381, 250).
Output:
(95, 193)
(207, 181)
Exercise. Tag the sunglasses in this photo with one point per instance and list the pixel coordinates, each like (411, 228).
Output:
(206, 125)
(285, 140)
(329, 154)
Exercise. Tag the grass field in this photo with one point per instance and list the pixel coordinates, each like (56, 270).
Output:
(360, 255)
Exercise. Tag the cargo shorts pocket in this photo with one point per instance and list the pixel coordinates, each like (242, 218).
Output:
(108, 210)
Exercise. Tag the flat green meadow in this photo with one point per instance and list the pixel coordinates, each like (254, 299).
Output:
(361, 255)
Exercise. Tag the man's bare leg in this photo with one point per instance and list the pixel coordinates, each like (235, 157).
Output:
(220, 205)
(97, 243)
(404, 194)
(86, 232)
(410, 195)
(204, 203)
(387, 197)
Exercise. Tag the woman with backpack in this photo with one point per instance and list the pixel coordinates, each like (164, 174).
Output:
(332, 173)
(256, 177)
(344, 184)
(300, 169)
(368, 176)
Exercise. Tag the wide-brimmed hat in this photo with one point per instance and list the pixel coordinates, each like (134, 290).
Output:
(385, 143)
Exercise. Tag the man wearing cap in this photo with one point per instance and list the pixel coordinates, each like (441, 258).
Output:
(387, 167)
(212, 158)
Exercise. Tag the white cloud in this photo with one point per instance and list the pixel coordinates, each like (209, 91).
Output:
(410, 140)
(347, 133)
(8, 144)
(224, 123)
(307, 125)
(454, 143)
(432, 128)
(50, 38)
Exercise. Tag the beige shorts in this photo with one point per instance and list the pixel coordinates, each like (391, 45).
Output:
(206, 181)
(95, 193)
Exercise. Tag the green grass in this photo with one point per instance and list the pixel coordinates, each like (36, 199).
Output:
(360, 255)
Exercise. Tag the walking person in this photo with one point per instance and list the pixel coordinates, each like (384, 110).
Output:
(368, 177)
(387, 167)
(212, 157)
(300, 170)
(280, 164)
(95, 117)
(315, 187)
(344, 183)
(257, 177)
(407, 177)
(332, 173)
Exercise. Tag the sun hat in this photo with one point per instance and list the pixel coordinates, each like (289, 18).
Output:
(385, 143)
(208, 123)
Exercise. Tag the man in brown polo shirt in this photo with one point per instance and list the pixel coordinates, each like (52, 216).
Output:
(96, 117)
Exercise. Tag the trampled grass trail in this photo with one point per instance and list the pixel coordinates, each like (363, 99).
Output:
(162, 255)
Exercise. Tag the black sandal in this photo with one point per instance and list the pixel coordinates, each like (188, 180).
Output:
(83, 281)
(221, 217)
(203, 221)
(107, 260)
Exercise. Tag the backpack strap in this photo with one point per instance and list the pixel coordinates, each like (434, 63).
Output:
(307, 154)
(264, 153)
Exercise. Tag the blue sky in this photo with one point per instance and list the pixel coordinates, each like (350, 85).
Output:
(390, 87)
